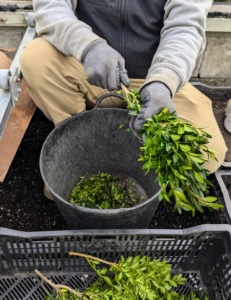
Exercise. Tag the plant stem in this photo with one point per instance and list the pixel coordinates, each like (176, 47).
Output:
(57, 287)
(125, 91)
(94, 258)
(127, 95)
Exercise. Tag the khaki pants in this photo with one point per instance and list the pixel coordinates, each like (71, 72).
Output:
(57, 85)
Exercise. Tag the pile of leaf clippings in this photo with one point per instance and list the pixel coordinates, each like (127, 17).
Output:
(104, 191)
(176, 150)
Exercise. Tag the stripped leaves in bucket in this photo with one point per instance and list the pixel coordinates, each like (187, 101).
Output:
(104, 191)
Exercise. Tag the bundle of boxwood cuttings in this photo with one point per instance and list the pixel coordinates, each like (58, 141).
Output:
(132, 278)
(176, 150)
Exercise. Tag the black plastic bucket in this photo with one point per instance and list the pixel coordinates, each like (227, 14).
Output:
(90, 142)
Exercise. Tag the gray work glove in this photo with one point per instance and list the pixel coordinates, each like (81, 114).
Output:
(155, 96)
(104, 66)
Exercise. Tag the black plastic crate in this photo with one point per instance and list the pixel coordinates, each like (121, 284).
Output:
(221, 180)
(202, 254)
(222, 187)
(212, 92)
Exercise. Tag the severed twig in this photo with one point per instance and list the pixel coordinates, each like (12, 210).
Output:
(94, 258)
(57, 287)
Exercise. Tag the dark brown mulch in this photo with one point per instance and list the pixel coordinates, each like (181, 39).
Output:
(22, 203)
(23, 206)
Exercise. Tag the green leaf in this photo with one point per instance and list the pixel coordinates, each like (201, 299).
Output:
(175, 158)
(186, 167)
(156, 284)
(180, 195)
(198, 177)
(120, 276)
(188, 207)
(210, 199)
(212, 156)
(180, 129)
(103, 271)
(188, 128)
(175, 137)
(185, 148)
(107, 280)
(136, 258)
(195, 159)
(132, 281)
(173, 283)
(149, 120)
(217, 206)
(211, 150)
(133, 113)
(168, 147)
(190, 137)
(144, 137)
(129, 259)
(169, 297)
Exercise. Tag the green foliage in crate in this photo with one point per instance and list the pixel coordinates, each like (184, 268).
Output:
(133, 278)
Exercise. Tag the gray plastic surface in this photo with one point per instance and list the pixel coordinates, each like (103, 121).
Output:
(4, 79)
(222, 187)
(220, 190)
(30, 19)
(202, 254)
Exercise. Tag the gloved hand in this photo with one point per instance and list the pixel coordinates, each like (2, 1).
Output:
(155, 97)
(104, 66)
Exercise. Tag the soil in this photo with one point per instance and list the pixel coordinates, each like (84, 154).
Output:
(24, 207)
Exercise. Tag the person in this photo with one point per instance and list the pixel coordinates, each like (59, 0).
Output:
(87, 48)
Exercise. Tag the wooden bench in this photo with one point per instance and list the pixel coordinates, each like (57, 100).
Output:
(17, 123)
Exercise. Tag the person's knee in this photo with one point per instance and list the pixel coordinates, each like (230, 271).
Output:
(35, 58)
(25, 60)
(29, 58)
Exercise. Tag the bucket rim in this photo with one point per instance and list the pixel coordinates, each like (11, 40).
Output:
(67, 121)
(94, 109)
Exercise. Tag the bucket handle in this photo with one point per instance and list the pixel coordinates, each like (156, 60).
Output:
(131, 120)
(106, 96)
